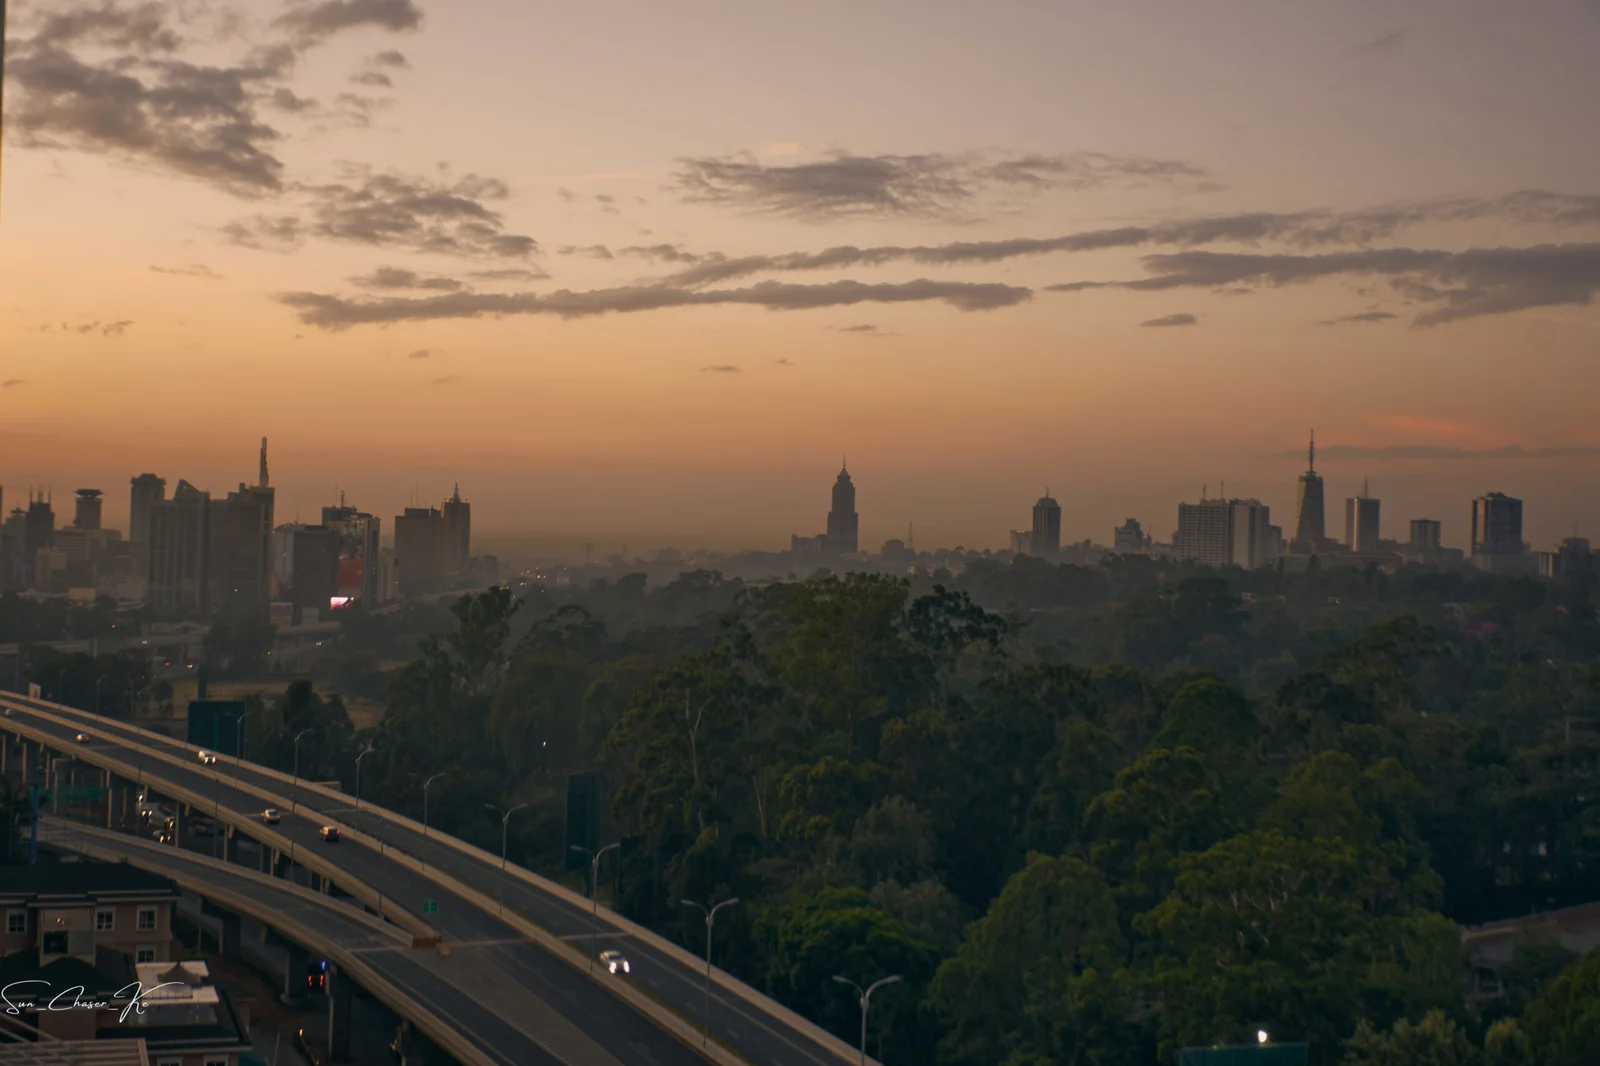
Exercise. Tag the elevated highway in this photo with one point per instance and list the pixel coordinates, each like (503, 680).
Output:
(544, 925)
(536, 980)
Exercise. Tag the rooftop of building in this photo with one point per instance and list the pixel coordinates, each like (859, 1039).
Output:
(59, 881)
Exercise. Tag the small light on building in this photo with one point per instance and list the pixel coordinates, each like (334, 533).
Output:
(1261, 1036)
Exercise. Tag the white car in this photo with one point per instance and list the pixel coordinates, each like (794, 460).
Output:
(270, 816)
(614, 962)
(208, 758)
(82, 738)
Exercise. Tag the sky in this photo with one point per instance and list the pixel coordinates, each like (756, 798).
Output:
(646, 274)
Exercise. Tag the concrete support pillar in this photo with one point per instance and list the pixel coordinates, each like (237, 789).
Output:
(294, 976)
(5, 754)
(229, 941)
(109, 799)
(268, 859)
(338, 1015)
(316, 881)
(230, 845)
(411, 1047)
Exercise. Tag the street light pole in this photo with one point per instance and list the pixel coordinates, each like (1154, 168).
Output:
(866, 1000)
(711, 921)
(363, 755)
(238, 734)
(505, 821)
(297, 737)
(594, 893)
(425, 785)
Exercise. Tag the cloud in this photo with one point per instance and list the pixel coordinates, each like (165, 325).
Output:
(865, 327)
(143, 102)
(265, 233)
(1387, 44)
(661, 253)
(933, 186)
(312, 23)
(390, 60)
(395, 211)
(420, 353)
(385, 277)
(1446, 451)
(375, 78)
(1301, 229)
(334, 312)
(719, 370)
(1181, 319)
(1467, 284)
(11, 383)
(508, 274)
(1365, 316)
(198, 270)
(783, 362)
(592, 251)
(447, 379)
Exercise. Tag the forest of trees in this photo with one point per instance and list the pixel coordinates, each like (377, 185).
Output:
(1087, 815)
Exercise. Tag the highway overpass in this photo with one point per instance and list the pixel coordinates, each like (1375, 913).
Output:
(535, 930)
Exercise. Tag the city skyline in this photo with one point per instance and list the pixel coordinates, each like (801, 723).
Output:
(650, 325)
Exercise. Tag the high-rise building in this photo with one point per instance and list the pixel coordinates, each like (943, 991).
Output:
(86, 510)
(458, 537)
(1497, 545)
(179, 532)
(1226, 532)
(1310, 530)
(145, 491)
(1046, 542)
(360, 573)
(1572, 563)
(842, 519)
(1361, 522)
(1130, 537)
(1021, 541)
(1424, 536)
(420, 547)
(39, 528)
(313, 568)
(240, 565)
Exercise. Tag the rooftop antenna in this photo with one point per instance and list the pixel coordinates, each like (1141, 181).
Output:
(1311, 456)
(262, 481)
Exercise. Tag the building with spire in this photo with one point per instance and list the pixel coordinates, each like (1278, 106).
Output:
(1046, 540)
(457, 537)
(1310, 529)
(843, 523)
(240, 563)
(1361, 522)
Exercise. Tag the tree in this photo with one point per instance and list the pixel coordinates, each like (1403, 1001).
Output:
(1564, 1024)
(1435, 1041)
(1038, 976)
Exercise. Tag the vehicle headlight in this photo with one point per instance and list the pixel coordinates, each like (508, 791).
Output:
(627, 968)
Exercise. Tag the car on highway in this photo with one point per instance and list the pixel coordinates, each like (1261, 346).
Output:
(330, 833)
(164, 837)
(207, 758)
(614, 961)
(83, 738)
(270, 816)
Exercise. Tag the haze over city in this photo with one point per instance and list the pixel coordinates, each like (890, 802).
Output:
(649, 294)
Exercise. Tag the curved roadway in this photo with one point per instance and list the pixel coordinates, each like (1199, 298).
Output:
(573, 1019)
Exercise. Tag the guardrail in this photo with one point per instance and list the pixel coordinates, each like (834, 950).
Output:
(724, 980)
(113, 847)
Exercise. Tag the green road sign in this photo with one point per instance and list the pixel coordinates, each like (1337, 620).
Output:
(430, 906)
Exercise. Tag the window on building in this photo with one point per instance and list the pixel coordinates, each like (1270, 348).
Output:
(147, 919)
(105, 921)
(17, 922)
(216, 1062)
(53, 944)
(145, 955)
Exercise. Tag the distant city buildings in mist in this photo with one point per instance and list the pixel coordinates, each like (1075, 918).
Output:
(193, 555)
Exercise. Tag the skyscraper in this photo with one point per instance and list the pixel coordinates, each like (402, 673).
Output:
(1361, 522)
(1497, 544)
(1424, 536)
(360, 571)
(420, 546)
(39, 528)
(1130, 537)
(146, 490)
(240, 563)
(842, 519)
(1227, 533)
(1046, 543)
(179, 538)
(457, 536)
(86, 510)
(1310, 529)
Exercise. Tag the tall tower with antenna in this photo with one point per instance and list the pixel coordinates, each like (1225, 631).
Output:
(1310, 526)
(261, 480)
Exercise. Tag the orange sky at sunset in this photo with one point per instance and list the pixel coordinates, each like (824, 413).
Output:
(569, 256)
